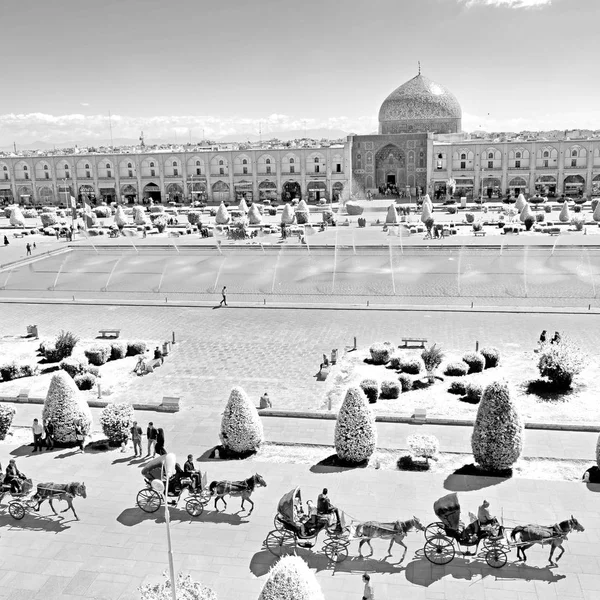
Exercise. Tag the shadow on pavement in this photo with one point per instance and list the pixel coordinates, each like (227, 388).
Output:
(24, 450)
(36, 522)
(332, 464)
(421, 572)
(470, 477)
(131, 517)
(262, 561)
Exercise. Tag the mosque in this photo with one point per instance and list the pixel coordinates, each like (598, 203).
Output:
(420, 147)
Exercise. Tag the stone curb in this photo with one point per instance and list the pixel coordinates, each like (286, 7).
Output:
(170, 408)
(31, 259)
(327, 416)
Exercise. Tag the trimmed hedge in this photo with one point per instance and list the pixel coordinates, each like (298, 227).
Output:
(185, 588)
(561, 362)
(458, 387)
(116, 420)
(98, 355)
(85, 381)
(491, 356)
(73, 366)
(473, 392)
(406, 382)
(412, 366)
(381, 352)
(291, 579)
(135, 348)
(241, 426)
(7, 414)
(371, 389)
(118, 350)
(475, 361)
(390, 390)
(456, 369)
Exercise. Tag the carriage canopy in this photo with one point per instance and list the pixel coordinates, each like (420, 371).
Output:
(286, 504)
(447, 509)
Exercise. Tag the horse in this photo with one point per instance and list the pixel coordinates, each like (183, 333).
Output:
(525, 536)
(236, 488)
(395, 532)
(59, 491)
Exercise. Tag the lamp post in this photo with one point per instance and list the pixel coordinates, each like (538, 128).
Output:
(159, 486)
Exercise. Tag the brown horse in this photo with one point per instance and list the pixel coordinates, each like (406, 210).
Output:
(395, 532)
(59, 491)
(236, 488)
(525, 536)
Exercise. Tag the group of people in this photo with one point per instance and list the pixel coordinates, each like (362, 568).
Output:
(42, 433)
(155, 437)
(544, 337)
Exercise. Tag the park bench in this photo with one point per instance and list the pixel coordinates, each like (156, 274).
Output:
(413, 340)
(18, 235)
(174, 234)
(554, 232)
(109, 333)
(479, 233)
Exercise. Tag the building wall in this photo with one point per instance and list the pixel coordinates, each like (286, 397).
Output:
(214, 175)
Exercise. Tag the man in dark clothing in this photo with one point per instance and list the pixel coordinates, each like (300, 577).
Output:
(28, 246)
(158, 355)
(152, 434)
(49, 429)
(190, 470)
(136, 438)
(224, 294)
(324, 507)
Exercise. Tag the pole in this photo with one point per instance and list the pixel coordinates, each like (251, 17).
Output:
(169, 544)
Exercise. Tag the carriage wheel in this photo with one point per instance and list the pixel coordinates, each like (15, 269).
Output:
(439, 550)
(335, 551)
(149, 500)
(434, 530)
(194, 507)
(280, 543)
(16, 510)
(496, 558)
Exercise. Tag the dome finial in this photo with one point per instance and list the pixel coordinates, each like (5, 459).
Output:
(419, 67)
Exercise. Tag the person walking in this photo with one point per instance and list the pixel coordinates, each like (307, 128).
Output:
(38, 432)
(369, 591)
(5, 241)
(136, 438)
(224, 294)
(49, 429)
(151, 434)
(160, 442)
(80, 435)
(28, 246)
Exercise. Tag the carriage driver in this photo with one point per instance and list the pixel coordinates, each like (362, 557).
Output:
(190, 471)
(14, 477)
(486, 521)
(324, 507)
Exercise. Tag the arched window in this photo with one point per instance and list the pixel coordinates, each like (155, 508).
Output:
(197, 163)
(108, 165)
(291, 161)
(129, 165)
(440, 156)
(463, 156)
(45, 167)
(268, 161)
(87, 166)
(174, 163)
(574, 153)
(518, 155)
(317, 159)
(24, 167)
(546, 154)
(220, 162)
(490, 155)
(151, 164)
(244, 162)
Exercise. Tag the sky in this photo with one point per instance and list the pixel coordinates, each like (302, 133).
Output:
(191, 68)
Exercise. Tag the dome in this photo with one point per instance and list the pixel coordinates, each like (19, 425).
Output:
(420, 105)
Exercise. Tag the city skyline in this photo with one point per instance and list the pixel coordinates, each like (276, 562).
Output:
(512, 64)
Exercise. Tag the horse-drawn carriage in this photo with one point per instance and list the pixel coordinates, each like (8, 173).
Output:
(294, 527)
(448, 535)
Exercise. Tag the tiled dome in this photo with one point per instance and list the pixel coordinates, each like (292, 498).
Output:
(420, 105)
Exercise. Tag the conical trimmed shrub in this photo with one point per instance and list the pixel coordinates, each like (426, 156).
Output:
(392, 215)
(355, 429)
(241, 427)
(291, 579)
(254, 216)
(497, 439)
(526, 213)
(598, 452)
(302, 213)
(565, 215)
(139, 215)
(243, 207)
(520, 203)
(186, 588)
(426, 212)
(288, 216)
(596, 214)
(120, 217)
(302, 207)
(65, 405)
(222, 216)
(16, 217)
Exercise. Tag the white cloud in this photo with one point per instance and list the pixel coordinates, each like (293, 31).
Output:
(26, 128)
(85, 103)
(508, 3)
(539, 122)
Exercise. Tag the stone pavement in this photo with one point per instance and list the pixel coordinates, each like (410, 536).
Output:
(116, 547)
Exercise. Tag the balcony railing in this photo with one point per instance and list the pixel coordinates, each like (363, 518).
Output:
(576, 167)
(319, 174)
(264, 173)
(242, 174)
(105, 178)
(173, 176)
(219, 174)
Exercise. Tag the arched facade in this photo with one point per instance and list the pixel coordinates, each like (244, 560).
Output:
(196, 166)
(127, 169)
(390, 166)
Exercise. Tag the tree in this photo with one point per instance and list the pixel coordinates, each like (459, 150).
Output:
(596, 215)
(497, 439)
(16, 217)
(7, 414)
(139, 215)
(355, 429)
(291, 579)
(598, 452)
(243, 207)
(65, 406)
(392, 215)
(120, 217)
(241, 427)
(288, 216)
(185, 587)
(561, 362)
(565, 215)
(222, 216)
(520, 203)
(254, 216)
(426, 212)
(526, 213)
(116, 420)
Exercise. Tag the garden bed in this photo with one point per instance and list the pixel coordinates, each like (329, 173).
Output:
(579, 404)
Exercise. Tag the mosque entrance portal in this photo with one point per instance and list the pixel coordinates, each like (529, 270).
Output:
(391, 179)
(390, 165)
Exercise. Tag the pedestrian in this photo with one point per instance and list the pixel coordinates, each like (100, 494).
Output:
(57, 233)
(5, 241)
(28, 246)
(369, 592)
(49, 430)
(38, 432)
(556, 338)
(79, 435)
(265, 401)
(160, 442)
(151, 434)
(136, 438)
(34, 246)
(224, 294)
(543, 337)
